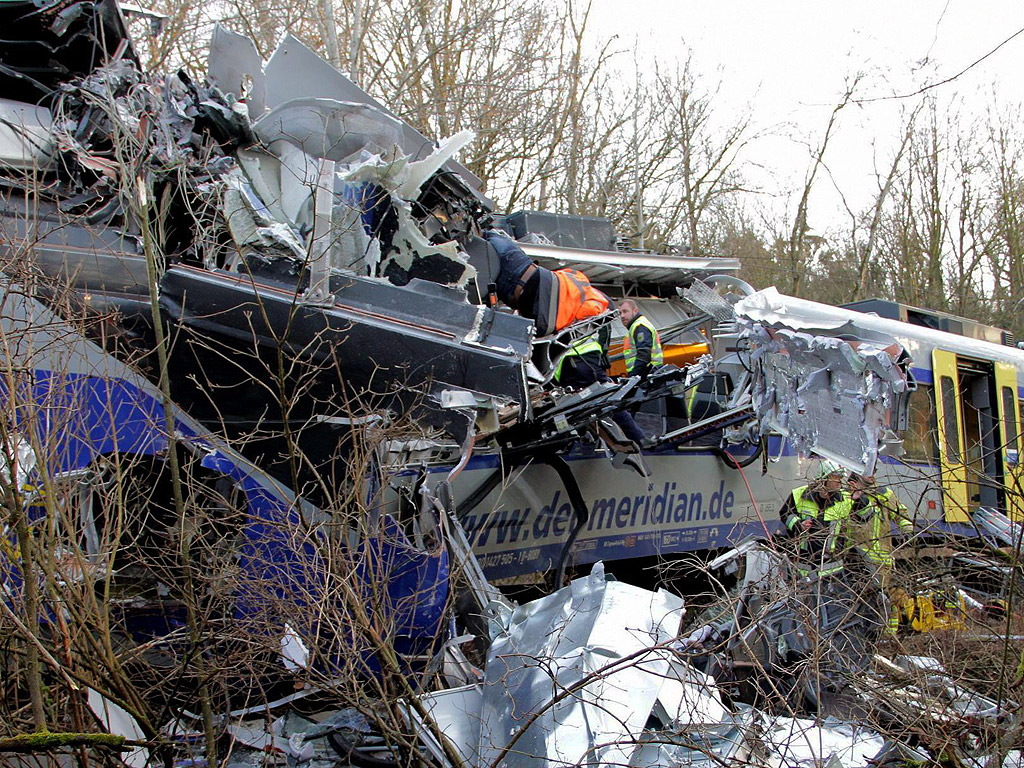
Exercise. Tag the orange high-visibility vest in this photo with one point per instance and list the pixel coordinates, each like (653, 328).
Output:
(577, 298)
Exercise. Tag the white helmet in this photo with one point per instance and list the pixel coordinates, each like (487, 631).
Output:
(826, 468)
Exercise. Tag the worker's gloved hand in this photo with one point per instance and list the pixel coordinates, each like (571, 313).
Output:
(812, 524)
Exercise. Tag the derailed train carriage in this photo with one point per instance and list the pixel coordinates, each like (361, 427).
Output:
(293, 240)
(311, 221)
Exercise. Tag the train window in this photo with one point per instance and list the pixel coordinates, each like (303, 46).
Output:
(920, 441)
(1009, 422)
(950, 431)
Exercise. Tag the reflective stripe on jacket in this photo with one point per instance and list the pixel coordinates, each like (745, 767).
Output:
(870, 529)
(581, 347)
(629, 344)
(818, 548)
(806, 508)
(577, 298)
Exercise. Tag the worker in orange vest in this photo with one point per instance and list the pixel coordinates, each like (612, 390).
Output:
(554, 300)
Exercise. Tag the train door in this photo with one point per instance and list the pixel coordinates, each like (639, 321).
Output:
(977, 417)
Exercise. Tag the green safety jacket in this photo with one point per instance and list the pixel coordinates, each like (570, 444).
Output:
(823, 553)
(580, 348)
(870, 528)
(629, 344)
(806, 508)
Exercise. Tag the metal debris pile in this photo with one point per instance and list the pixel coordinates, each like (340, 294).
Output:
(597, 673)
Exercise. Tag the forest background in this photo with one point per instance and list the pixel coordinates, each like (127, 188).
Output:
(569, 120)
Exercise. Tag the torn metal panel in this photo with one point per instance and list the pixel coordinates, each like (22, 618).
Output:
(329, 129)
(291, 218)
(391, 338)
(251, 223)
(293, 186)
(841, 398)
(373, 228)
(234, 64)
(574, 676)
(293, 70)
(419, 171)
(708, 744)
(456, 713)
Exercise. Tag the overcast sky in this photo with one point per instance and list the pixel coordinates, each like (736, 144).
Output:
(787, 61)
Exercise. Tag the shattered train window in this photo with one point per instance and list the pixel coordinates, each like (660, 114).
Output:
(920, 441)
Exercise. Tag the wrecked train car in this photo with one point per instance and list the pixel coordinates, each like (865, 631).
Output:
(318, 259)
(947, 440)
(302, 233)
(87, 451)
(725, 439)
(961, 440)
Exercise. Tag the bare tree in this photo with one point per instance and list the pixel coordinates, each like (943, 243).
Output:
(1005, 239)
(797, 253)
(702, 173)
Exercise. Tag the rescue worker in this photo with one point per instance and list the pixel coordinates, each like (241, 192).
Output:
(583, 365)
(869, 530)
(812, 514)
(641, 346)
(553, 300)
(874, 511)
(831, 605)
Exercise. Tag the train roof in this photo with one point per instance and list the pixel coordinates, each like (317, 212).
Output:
(623, 267)
(770, 306)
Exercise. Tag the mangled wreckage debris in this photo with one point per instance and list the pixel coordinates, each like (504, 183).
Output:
(286, 211)
(303, 228)
(825, 384)
(294, 213)
(595, 674)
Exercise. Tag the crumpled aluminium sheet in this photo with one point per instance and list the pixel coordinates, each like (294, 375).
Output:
(837, 397)
(799, 743)
(574, 676)
(366, 172)
(375, 178)
(713, 746)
